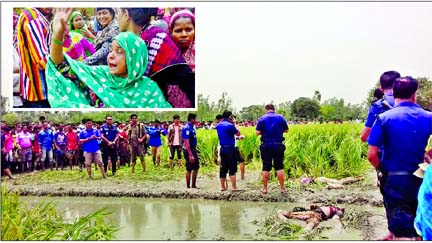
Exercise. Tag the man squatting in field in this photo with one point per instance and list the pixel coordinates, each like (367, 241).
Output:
(271, 127)
(403, 132)
(227, 131)
(190, 150)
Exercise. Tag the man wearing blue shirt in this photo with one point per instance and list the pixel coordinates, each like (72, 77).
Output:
(227, 131)
(60, 142)
(381, 105)
(108, 145)
(271, 128)
(403, 132)
(386, 103)
(155, 141)
(45, 139)
(89, 139)
(190, 151)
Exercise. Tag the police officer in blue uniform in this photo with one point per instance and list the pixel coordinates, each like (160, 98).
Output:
(190, 151)
(384, 104)
(271, 127)
(227, 131)
(403, 131)
(109, 148)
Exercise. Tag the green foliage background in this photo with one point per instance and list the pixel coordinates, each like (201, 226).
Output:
(45, 222)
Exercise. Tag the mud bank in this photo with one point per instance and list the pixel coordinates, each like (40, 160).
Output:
(363, 193)
(364, 218)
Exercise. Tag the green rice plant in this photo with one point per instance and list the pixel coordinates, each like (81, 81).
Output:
(44, 222)
(207, 145)
(249, 146)
(331, 150)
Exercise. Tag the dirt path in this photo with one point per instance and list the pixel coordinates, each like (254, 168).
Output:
(363, 198)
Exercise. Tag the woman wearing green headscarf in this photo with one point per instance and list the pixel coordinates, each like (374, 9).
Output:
(77, 24)
(120, 84)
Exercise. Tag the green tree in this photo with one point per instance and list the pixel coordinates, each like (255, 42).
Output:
(328, 112)
(317, 96)
(224, 103)
(305, 108)
(206, 108)
(4, 105)
(424, 93)
(10, 118)
(252, 112)
(284, 109)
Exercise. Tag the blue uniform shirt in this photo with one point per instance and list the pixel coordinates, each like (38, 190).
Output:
(46, 138)
(272, 126)
(109, 133)
(379, 107)
(226, 132)
(155, 138)
(60, 139)
(189, 132)
(404, 132)
(92, 145)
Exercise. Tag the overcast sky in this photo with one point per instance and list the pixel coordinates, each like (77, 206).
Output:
(258, 52)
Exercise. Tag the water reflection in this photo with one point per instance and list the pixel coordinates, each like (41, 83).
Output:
(193, 218)
(169, 219)
(229, 218)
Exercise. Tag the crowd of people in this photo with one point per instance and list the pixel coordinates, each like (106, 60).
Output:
(29, 147)
(126, 58)
(397, 131)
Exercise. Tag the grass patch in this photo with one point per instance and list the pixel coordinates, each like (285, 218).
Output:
(275, 228)
(44, 222)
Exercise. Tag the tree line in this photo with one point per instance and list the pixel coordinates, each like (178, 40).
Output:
(302, 108)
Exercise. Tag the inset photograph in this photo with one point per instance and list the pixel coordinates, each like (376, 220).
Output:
(104, 58)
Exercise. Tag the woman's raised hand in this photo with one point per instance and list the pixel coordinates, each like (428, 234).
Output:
(59, 26)
(61, 18)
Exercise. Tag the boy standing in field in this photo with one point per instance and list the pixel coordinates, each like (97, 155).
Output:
(155, 142)
(46, 139)
(190, 151)
(175, 141)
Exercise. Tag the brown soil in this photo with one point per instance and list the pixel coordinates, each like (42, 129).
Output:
(366, 213)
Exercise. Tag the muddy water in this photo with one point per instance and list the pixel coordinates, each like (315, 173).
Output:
(174, 219)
